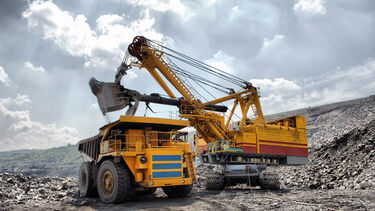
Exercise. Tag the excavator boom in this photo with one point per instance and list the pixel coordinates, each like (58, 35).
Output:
(114, 97)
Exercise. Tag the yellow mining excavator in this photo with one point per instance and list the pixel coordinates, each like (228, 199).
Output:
(139, 154)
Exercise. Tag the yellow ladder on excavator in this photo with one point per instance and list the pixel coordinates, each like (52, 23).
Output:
(255, 111)
(190, 166)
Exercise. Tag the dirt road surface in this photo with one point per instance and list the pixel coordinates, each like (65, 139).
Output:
(236, 198)
(246, 199)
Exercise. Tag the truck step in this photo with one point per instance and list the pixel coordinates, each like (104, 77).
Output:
(190, 166)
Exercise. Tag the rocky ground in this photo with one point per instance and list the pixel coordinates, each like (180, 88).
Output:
(340, 174)
(19, 191)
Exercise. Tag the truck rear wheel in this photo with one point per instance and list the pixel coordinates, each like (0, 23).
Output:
(115, 184)
(270, 182)
(177, 191)
(215, 181)
(86, 180)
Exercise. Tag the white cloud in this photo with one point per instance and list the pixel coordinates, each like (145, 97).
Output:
(277, 39)
(277, 84)
(72, 34)
(104, 21)
(28, 134)
(131, 74)
(165, 5)
(4, 78)
(234, 13)
(221, 61)
(15, 115)
(235, 8)
(35, 135)
(30, 66)
(19, 100)
(341, 84)
(275, 49)
(94, 106)
(315, 7)
(102, 47)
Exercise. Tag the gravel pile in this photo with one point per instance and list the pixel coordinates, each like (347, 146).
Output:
(347, 162)
(33, 192)
(327, 123)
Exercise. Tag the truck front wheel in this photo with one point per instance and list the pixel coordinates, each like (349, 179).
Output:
(115, 184)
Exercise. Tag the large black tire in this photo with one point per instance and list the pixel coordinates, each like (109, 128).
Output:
(270, 182)
(215, 181)
(115, 183)
(86, 180)
(146, 191)
(177, 191)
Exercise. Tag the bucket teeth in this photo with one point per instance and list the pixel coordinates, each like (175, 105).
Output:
(95, 86)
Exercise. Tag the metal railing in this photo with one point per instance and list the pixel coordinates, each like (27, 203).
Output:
(222, 146)
(139, 142)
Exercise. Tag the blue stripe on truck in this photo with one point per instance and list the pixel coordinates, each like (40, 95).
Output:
(165, 174)
(166, 157)
(166, 166)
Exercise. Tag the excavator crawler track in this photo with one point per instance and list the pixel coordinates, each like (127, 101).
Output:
(270, 181)
(215, 181)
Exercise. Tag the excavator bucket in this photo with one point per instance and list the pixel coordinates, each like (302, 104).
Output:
(110, 95)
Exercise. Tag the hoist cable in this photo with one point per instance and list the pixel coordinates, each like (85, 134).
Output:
(206, 66)
(219, 76)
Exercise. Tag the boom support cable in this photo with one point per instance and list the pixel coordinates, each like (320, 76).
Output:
(183, 72)
(203, 66)
(134, 50)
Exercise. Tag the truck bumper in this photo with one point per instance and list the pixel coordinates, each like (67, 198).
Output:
(167, 182)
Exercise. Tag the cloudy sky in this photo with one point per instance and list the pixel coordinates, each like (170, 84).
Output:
(299, 52)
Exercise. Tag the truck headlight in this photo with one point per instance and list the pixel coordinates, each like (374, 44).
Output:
(143, 159)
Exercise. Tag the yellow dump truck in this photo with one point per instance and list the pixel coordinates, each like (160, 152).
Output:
(136, 155)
